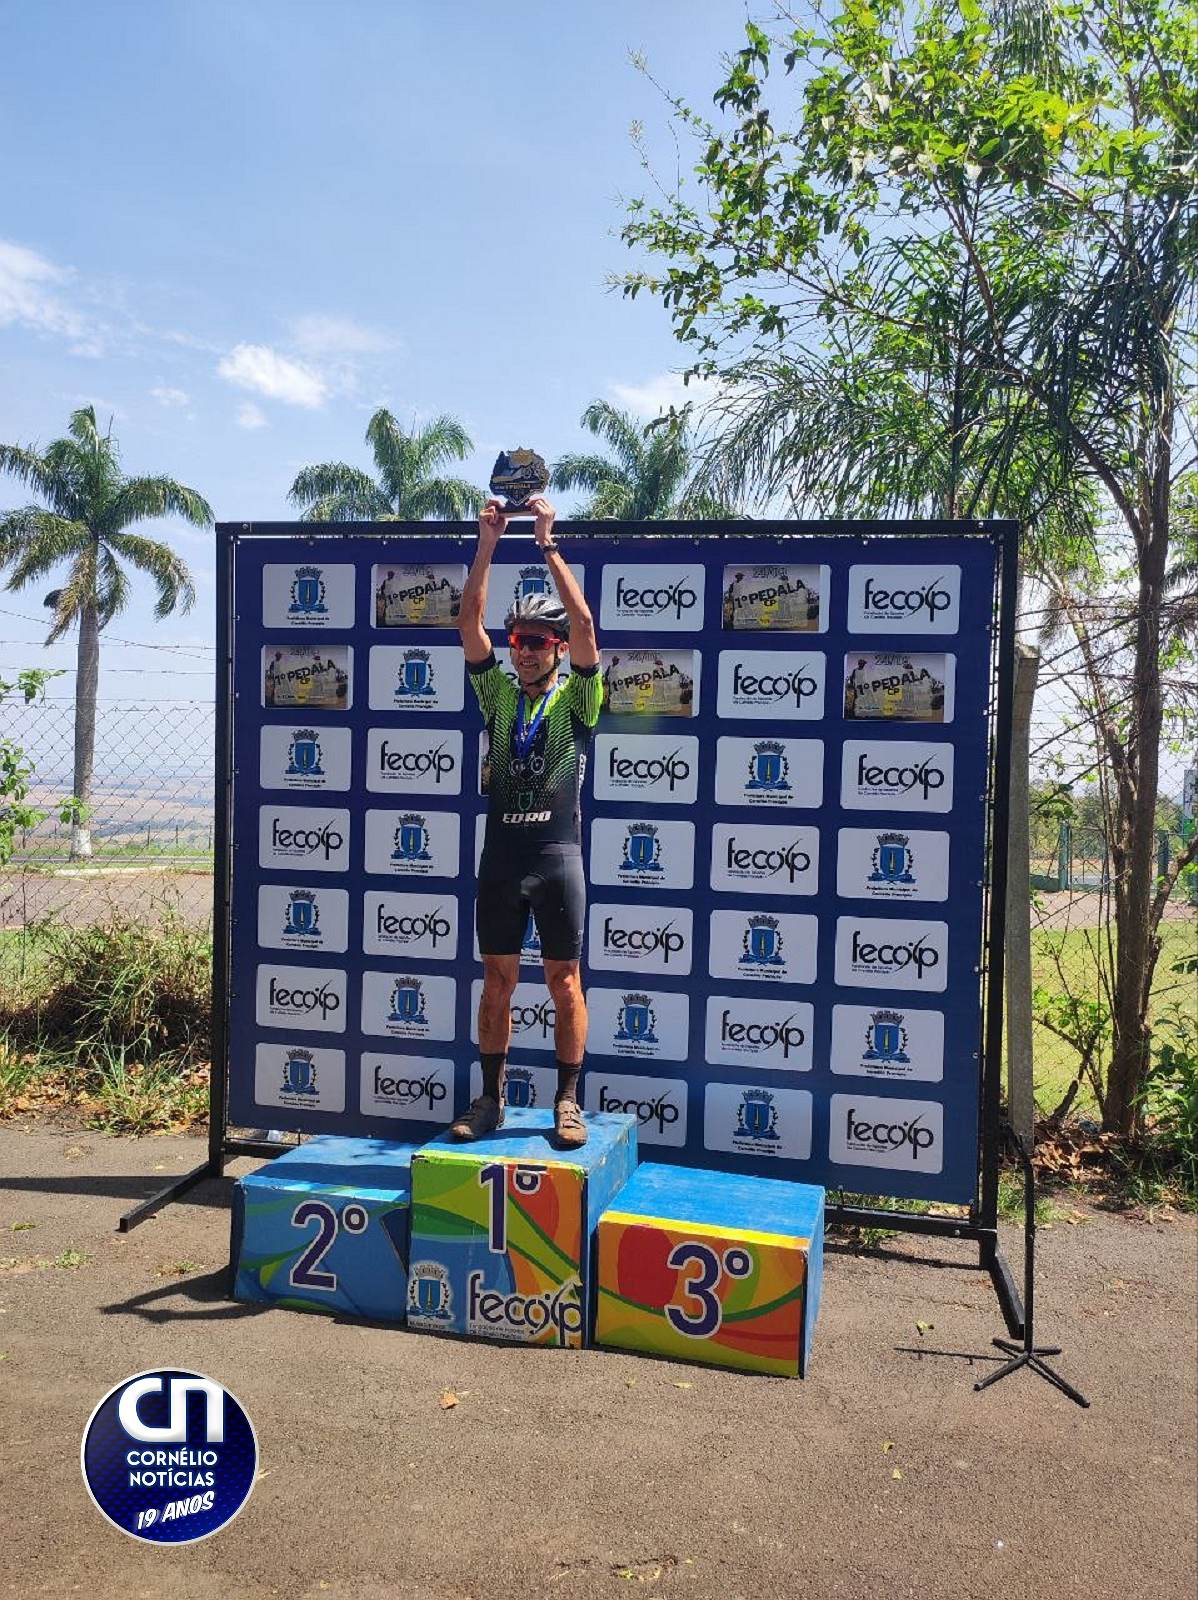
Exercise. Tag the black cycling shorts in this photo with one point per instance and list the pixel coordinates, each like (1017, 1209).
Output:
(548, 883)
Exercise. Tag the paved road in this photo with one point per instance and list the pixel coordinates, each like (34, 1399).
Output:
(570, 1474)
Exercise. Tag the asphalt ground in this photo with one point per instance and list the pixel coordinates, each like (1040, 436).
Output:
(593, 1473)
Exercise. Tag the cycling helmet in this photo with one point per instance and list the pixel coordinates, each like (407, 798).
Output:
(540, 610)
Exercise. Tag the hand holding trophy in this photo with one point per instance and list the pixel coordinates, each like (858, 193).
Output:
(491, 523)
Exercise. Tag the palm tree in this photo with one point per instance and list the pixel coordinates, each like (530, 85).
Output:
(647, 478)
(407, 488)
(90, 505)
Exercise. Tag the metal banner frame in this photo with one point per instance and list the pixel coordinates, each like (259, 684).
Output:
(979, 1225)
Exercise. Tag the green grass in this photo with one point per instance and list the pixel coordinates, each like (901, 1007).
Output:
(1054, 1061)
(111, 1019)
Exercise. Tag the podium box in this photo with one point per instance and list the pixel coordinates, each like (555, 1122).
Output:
(503, 1229)
(325, 1228)
(712, 1267)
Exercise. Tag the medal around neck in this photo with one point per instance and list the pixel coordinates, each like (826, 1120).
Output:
(516, 476)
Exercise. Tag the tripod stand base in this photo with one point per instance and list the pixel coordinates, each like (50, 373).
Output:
(1030, 1356)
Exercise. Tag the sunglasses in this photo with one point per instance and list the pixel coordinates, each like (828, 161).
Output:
(530, 641)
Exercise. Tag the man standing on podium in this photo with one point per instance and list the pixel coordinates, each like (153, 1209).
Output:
(532, 854)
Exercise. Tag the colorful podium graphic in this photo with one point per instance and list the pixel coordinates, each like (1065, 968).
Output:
(503, 1229)
(711, 1288)
(325, 1228)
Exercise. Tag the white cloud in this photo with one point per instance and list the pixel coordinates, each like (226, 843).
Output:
(318, 335)
(259, 368)
(659, 393)
(30, 297)
(170, 398)
(250, 416)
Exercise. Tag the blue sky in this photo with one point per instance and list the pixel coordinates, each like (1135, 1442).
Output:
(238, 228)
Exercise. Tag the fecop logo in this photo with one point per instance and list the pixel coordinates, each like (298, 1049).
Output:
(917, 955)
(771, 685)
(785, 1036)
(414, 762)
(904, 599)
(429, 1090)
(522, 1316)
(663, 941)
(434, 926)
(435, 762)
(537, 1017)
(888, 775)
(787, 861)
(674, 598)
(920, 602)
(891, 953)
(652, 940)
(658, 1112)
(321, 999)
(870, 1131)
(770, 1033)
(169, 1457)
(658, 598)
(910, 1137)
(324, 841)
(793, 687)
(669, 770)
(922, 777)
(647, 767)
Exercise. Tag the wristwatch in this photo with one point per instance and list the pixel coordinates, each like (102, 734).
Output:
(551, 544)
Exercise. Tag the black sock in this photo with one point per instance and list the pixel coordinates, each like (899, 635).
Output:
(493, 1065)
(567, 1082)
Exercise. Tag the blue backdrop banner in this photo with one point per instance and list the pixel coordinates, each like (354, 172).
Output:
(784, 831)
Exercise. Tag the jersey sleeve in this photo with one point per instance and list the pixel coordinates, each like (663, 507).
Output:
(582, 694)
(493, 689)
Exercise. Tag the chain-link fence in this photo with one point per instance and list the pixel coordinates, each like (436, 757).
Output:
(1077, 860)
(151, 814)
(1077, 735)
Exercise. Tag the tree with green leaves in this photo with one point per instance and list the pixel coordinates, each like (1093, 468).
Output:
(1037, 160)
(410, 485)
(647, 476)
(90, 505)
(16, 814)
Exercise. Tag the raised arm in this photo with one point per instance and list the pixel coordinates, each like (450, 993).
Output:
(584, 647)
(476, 641)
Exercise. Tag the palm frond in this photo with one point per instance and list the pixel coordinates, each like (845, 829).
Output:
(33, 542)
(333, 491)
(84, 429)
(611, 500)
(114, 588)
(451, 498)
(168, 570)
(407, 461)
(72, 477)
(139, 499)
(23, 463)
(619, 429)
(587, 472)
(441, 440)
(389, 442)
(78, 591)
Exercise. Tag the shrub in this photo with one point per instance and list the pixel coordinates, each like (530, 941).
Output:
(1170, 1096)
(141, 989)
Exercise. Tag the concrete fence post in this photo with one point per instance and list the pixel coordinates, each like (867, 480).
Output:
(1020, 1103)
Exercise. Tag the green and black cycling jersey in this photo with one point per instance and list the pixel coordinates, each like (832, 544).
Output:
(537, 756)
